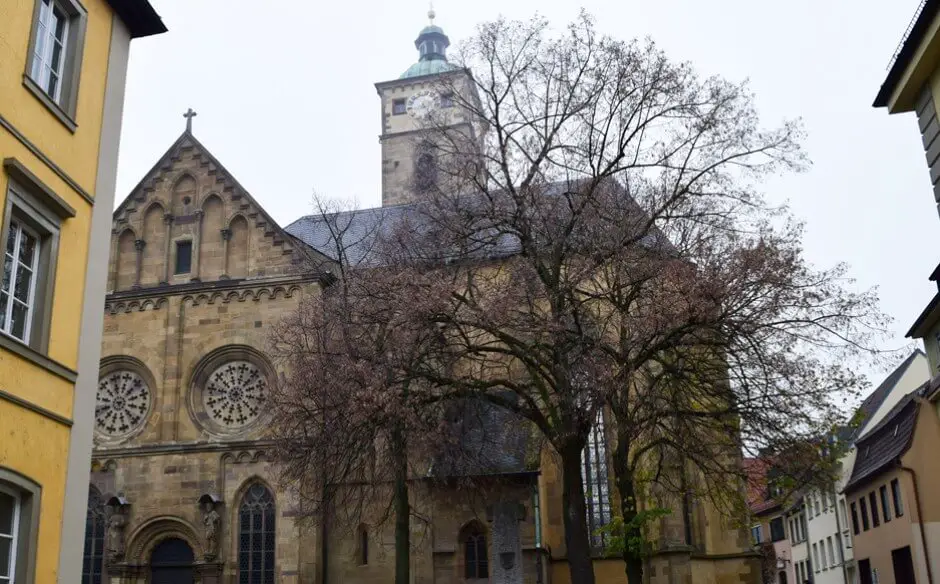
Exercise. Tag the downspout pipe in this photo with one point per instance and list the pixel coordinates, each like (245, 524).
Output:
(920, 518)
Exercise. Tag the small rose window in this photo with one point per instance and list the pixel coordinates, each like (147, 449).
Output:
(234, 395)
(122, 404)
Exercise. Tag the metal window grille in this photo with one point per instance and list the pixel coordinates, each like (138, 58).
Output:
(475, 561)
(256, 537)
(596, 482)
(95, 525)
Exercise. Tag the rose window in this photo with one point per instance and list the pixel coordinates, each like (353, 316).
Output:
(234, 394)
(122, 404)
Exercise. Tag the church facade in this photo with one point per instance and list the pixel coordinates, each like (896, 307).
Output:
(184, 488)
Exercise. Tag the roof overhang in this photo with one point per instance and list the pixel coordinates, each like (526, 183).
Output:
(139, 17)
(926, 320)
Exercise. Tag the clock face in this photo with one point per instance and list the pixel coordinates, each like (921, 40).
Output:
(421, 104)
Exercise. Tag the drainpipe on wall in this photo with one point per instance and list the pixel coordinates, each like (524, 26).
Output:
(920, 518)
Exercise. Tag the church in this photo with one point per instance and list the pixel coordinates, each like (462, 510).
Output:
(184, 488)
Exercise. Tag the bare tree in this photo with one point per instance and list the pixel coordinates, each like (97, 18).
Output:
(594, 237)
(352, 427)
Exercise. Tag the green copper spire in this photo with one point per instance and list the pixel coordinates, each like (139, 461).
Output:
(432, 46)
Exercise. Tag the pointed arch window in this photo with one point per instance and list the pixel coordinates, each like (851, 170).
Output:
(93, 557)
(425, 171)
(363, 545)
(596, 482)
(475, 561)
(256, 536)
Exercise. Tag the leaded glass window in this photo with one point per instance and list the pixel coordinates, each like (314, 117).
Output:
(474, 556)
(596, 483)
(256, 536)
(95, 525)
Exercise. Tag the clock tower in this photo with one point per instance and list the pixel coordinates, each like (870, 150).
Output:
(425, 91)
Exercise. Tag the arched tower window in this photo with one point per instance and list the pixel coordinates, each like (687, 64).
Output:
(363, 545)
(425, 170)
(93, 559)
(256, 536)
(475, 561)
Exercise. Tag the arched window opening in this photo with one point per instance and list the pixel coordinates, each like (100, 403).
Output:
(93, 558)
(475, 561)
(363, 545)
(256, 536)
(596, 482)
(425, 172)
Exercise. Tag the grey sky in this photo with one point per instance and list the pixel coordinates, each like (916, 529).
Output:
(285, 100)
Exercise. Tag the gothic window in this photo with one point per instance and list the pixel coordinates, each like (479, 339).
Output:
(122, 403)
(363, 545)
(235, 393)
(93, 559)
(425, 172)
(474, 555)
(596, 483)
(184, 257)
(256, 536)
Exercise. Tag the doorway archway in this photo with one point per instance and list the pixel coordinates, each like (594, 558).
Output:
(172, 562)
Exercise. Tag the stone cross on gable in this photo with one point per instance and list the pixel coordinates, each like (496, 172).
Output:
(189, 115)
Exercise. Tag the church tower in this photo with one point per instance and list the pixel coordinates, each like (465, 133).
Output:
(425, 90)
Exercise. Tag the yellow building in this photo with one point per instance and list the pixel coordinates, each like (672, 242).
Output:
(62, 75)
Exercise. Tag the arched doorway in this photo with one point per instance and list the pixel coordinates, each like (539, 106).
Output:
(172, 562)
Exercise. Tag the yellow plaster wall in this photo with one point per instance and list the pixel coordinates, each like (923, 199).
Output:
(37, 447)
(32, 444)
(76, 154)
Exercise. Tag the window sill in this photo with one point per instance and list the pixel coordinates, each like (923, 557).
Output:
(51, 105)
(32, 355)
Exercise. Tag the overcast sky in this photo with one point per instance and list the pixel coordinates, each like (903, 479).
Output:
(285, 100)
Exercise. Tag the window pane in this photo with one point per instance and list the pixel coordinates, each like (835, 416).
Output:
(20, 316)
(24, 278)
(11, 237)
(6, 568)
(7, 507)
(27, 248)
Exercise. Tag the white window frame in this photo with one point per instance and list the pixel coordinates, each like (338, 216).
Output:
(14, 535)
(50, 13)
(756, 535)
(815, 558)
(832, 553)
(7, 327)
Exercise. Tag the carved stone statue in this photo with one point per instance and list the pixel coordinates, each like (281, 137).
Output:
(211, 520)
(116, 525)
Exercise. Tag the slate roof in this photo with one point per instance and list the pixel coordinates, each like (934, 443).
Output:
(360, 231)
(877, 397)
(887, 441)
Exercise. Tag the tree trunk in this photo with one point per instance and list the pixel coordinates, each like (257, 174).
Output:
(577, 538)
(632, 530)
(402, 510)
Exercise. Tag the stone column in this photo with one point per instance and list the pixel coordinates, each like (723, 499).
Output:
(168, 221)
(197, 239)
(506, 546)
(226, 236)
(139, 245)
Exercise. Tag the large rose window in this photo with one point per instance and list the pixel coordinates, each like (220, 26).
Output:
(234, 394)
(122, 404)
